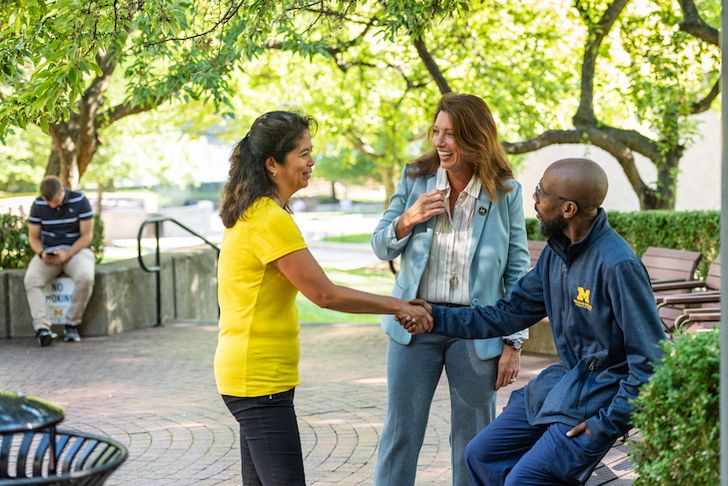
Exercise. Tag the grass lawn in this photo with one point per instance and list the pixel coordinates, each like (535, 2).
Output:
(358, 238)
(378, 280)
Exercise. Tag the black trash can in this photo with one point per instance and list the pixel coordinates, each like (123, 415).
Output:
(33, 451)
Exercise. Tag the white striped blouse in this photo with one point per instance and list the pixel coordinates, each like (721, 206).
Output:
(447, 274)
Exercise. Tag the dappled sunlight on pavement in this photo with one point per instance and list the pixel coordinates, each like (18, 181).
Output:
(154, 391)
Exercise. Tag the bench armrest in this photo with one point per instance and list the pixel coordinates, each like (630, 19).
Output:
(692, 298)
(679, 285)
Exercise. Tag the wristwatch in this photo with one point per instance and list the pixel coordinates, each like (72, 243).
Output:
(514, 343)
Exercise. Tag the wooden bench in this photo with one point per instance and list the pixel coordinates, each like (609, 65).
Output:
(535, 248)
(695, 311)
(668, 264)
(700, 320)
(678, 303)
(710, 284)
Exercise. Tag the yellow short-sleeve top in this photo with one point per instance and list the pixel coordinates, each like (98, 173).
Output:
(257, 347)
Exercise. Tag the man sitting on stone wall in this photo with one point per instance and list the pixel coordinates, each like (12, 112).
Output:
(60, 230)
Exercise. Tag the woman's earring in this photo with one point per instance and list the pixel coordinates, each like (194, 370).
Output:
(274, 173)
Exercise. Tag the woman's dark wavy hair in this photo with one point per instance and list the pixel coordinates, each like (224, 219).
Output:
(477, 137)
(273, 134)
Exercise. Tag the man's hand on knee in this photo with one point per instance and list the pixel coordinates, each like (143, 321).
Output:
(578, 430)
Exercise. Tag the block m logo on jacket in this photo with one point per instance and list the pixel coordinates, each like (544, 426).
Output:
(582, 298)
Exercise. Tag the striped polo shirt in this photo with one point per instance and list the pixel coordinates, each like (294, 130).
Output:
(59, 226)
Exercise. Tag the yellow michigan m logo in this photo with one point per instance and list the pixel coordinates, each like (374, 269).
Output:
(583, 295)
(582, 298)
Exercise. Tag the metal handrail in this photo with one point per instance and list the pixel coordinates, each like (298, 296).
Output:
(157, 221)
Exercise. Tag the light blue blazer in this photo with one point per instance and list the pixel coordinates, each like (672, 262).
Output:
(498, 256)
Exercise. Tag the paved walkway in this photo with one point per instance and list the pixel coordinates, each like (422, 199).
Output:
(153, 390)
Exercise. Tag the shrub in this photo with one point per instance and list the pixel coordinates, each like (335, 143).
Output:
(677, 413)
(97, 243)
(684, 230)
(15, 251)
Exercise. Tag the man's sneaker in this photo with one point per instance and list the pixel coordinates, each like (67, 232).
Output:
(44, 336)
(70, 334)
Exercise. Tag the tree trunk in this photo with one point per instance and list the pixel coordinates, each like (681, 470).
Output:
(99, 196)
(63, 159)
(75, 142)
(71, 153)
(333, 192)
(663, 195)
(53, 167)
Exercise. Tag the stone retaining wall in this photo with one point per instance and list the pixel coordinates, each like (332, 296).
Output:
(124, 296)
(540, 340)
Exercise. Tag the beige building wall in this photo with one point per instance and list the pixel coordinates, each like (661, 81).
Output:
(698, 182)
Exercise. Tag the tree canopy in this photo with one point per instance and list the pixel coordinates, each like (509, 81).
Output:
(629, 74)
(622, 75)
(61, 60)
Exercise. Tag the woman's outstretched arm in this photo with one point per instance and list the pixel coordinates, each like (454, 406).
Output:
(304, 272)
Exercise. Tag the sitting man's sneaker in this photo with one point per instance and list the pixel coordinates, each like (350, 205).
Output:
(44, 336)
(70, 334)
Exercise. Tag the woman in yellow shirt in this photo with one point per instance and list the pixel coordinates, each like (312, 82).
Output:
(263, 263)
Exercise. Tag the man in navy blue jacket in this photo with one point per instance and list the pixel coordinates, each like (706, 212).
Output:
(597, 296)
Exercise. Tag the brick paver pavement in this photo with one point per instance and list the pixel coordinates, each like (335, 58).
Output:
(153, 390)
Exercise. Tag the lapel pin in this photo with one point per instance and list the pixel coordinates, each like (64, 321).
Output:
(482, 210)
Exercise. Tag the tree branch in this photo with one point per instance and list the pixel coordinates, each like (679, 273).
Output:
(341, 16)
(596, 137)
(408, 82)
(633, 140)
(229, 14)
(695, 25)
(597, 33)
(120, 111)
(704, 104)
(334, 51)
(361, 145)
(431, 66)
(89, 105)
(549, 137)
(624, 156)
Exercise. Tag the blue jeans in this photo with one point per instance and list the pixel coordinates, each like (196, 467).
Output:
(270, 445)
(412, 375)
(512, 452)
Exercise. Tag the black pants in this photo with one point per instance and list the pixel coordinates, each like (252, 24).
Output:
(270, 445)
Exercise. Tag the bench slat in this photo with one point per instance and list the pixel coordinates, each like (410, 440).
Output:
(670, 264)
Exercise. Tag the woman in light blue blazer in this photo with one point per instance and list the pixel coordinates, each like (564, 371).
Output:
(456, 221)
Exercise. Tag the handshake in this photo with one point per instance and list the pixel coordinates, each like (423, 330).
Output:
(415, 316)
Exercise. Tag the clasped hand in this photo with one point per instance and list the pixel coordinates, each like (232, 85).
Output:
(54, 257)
(416, 316)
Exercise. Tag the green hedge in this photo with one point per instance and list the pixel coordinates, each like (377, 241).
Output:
(684, 230)
(15, 251)
(677, 413)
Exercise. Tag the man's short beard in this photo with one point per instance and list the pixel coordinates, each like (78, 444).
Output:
(553, 226)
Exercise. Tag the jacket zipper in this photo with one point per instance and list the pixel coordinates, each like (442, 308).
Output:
(564, 272)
